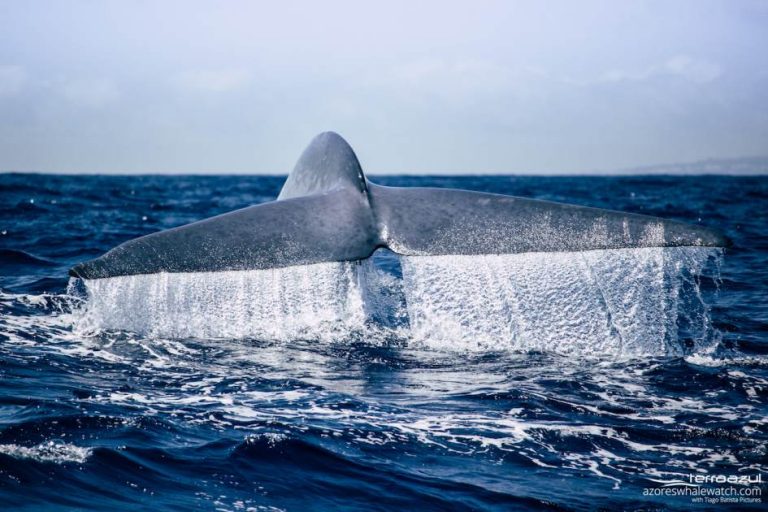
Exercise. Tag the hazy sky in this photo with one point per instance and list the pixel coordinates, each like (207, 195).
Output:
(474, 86)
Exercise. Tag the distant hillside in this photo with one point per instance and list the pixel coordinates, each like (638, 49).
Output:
(742, 166)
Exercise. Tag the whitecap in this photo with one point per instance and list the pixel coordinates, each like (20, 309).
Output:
(51, 451)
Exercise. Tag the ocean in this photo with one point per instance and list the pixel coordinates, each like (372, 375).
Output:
(567, 381)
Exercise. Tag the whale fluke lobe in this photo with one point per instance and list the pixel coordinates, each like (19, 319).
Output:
(328, 211)
(326, 227)
(423, 221)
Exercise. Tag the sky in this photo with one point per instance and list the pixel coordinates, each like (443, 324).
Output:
(416, 87)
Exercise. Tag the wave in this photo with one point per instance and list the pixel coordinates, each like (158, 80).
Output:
(51, 451)
(320, 413)
(12, 260)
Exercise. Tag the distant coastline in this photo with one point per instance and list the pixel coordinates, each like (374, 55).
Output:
(745, 166)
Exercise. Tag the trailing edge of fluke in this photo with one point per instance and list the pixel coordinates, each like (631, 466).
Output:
(328, 211)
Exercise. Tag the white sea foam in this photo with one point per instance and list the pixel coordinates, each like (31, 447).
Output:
(58, 453)
(622, 302)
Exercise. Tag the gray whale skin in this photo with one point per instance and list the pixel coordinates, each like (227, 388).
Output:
(328, 211)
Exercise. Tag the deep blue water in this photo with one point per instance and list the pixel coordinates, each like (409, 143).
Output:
(118, 420)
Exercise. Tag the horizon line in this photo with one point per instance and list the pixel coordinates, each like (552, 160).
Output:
(545, 174)
(758, 164)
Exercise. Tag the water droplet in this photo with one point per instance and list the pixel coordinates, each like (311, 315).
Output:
(143, 217)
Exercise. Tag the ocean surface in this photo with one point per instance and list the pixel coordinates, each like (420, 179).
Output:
(570, 381)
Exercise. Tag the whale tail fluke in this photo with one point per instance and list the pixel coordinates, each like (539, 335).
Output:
(328, 211)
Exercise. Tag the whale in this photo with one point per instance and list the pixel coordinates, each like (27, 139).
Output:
(328, 211)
